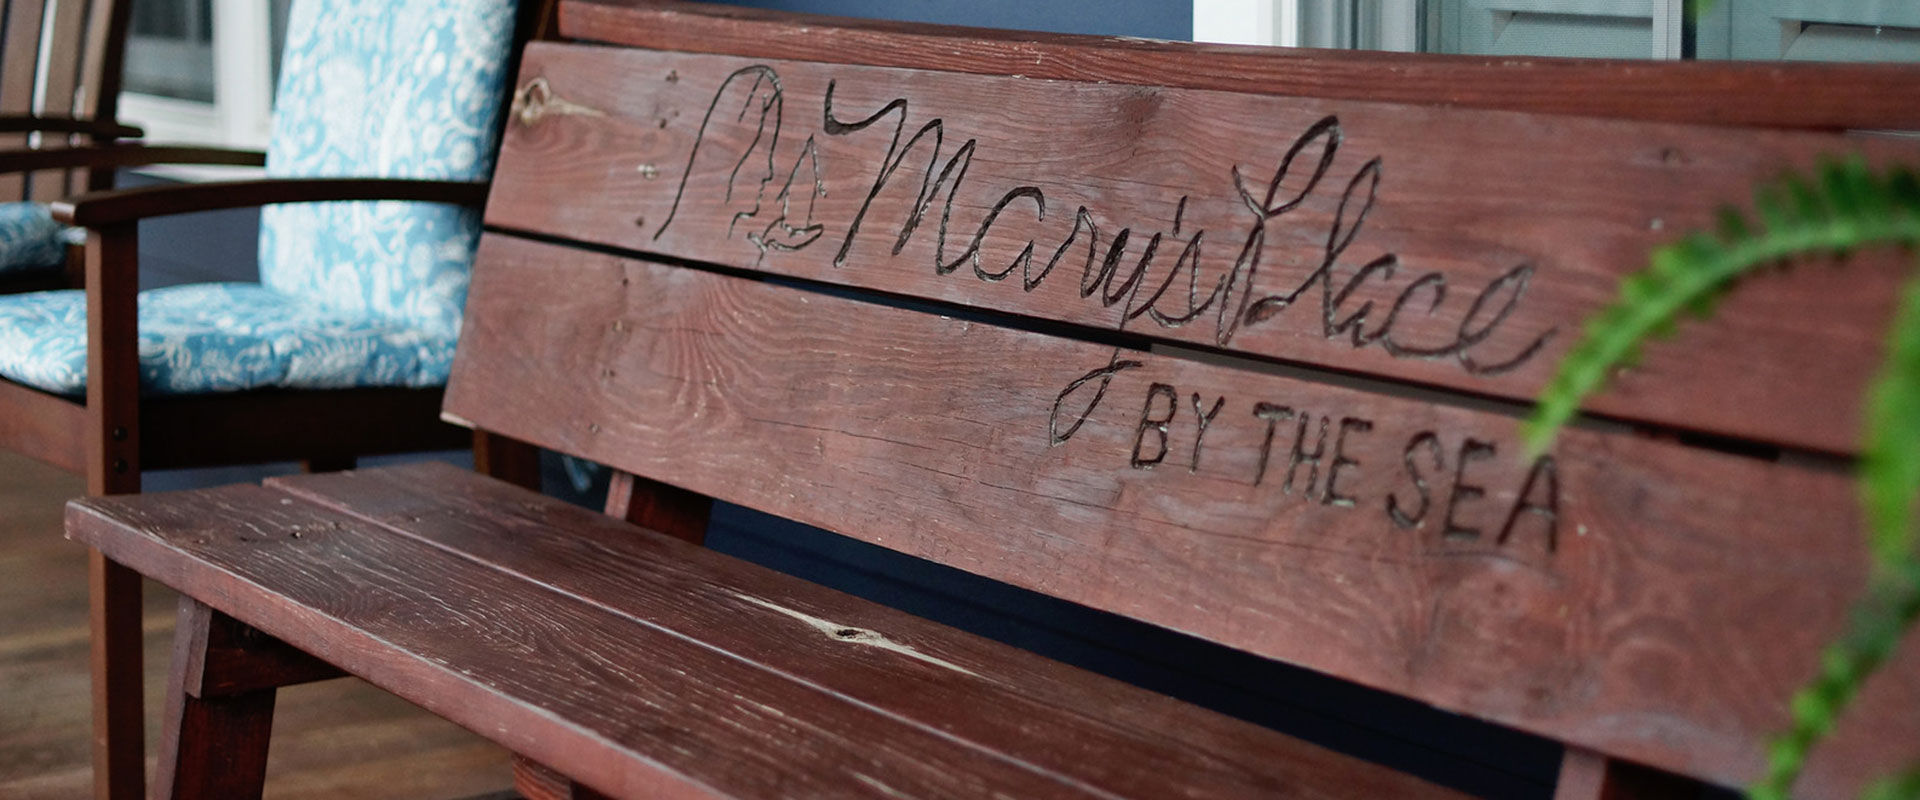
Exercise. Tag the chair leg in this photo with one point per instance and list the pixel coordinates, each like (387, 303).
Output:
(214, 743)
(113, 467)
(119, 763)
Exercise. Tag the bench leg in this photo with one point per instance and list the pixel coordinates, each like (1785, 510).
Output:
(508, 459)
(1587, 775)
(333, 464)
(659, 506)
(535, 781)
(220, 694)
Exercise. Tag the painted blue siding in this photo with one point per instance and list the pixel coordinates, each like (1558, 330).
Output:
(1153, 19)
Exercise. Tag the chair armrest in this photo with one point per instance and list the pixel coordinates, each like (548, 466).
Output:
(123, 155)
(97, 209)
(31, 123)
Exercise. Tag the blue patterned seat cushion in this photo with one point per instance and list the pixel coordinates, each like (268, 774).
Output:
(30, 239)
(378, 88)
(351, 294)
(221, 337)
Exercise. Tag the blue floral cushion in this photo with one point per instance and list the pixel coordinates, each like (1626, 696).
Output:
(378, 88)
(29, 238)
(219, 337)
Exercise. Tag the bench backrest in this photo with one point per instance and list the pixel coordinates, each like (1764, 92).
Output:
(1240, 359)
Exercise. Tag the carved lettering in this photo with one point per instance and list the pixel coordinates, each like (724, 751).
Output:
(1541, 474)
(1121, 269)
(1431, 442)
(1104, 375)
(1300, 456)
(1274, 415)
(1332, 495)
(1158, 425)
(1471, 450)
(1204, 418)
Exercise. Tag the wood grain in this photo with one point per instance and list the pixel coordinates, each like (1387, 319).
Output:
(110, 156)
(1423, 563)
(512, 461)
(112, 444)
(333, 739)
(622, 703)
(19, 65)
(1092, 730)
(43, 426)
(1586, 775)
(65, 35)
(212, 745)
(279, 425)
(1832, 96)
(1446, 247)
(101, 73)
(215, 656)
(125, 205)
(27, 123)
(658, 506)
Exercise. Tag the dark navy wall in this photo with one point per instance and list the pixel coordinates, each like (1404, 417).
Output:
(1153, 19)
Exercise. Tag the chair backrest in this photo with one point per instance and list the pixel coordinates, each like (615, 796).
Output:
(387, 89)
(1244, 364)
(59, 57)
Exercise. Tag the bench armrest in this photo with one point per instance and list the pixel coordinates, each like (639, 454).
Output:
(32, 123)
(96, 209)
(108, 156)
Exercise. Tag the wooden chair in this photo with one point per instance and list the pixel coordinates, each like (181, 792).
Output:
(60, 72)
(59, 86)
(338, 354)
(1299, 440)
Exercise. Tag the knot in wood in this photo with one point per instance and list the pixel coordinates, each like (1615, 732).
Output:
(534, 101)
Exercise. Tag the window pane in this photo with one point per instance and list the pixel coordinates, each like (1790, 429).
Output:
(170, 49)
(277, 22)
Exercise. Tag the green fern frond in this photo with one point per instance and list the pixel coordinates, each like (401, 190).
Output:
(1904, 786)
(1851, 206)
(1848, 207)
(1889, 483)
(1878, 622)
(1890, 451)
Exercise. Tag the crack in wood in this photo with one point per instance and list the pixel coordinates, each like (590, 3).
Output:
(847, 633)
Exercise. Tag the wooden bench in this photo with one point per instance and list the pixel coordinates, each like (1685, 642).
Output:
(1229, 341)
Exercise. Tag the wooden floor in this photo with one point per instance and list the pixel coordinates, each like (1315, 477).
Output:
(336, 739)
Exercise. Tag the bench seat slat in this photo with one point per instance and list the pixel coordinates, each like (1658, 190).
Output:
(716, 670)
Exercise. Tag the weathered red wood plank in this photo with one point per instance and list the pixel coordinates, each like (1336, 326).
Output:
(622, 706)
(1094, 731)
(1449, 247)
(1833, 96)
(1599, 598)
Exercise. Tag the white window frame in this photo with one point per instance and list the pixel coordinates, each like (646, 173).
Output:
(241, 114)
(1265, 22)
(1384, 24)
